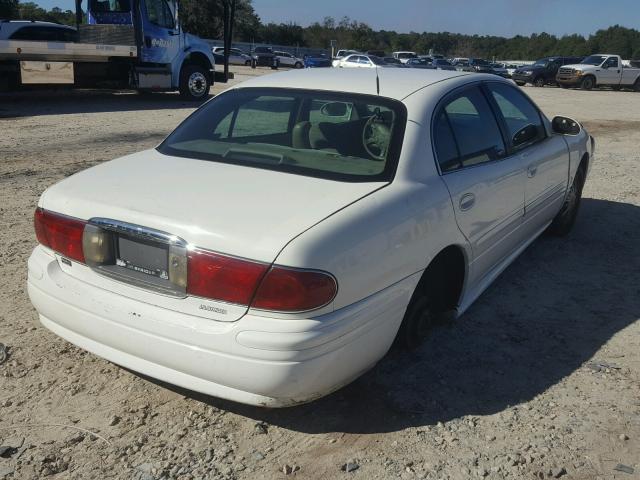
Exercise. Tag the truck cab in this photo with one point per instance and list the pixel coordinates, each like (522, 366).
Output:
(599, 70)
(136, 44)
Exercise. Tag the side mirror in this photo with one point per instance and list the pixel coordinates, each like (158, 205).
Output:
(565, 126)
(334, 109)
(524, 135)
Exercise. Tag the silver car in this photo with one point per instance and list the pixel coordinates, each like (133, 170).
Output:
(236, 56)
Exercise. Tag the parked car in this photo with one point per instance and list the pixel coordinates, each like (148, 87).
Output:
(265, 57)
(317, 61)
(392, 61)
(599, 70)
(273, 258)
(36, 31)
(543, 71)
(403, 56)
(289, 60)
(236, 56)
(442, 64)
(359, 60)
(478, 65)
(420, 62)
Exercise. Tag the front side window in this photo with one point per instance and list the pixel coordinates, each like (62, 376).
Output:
(612, 62)
(474, 128)
(322, 134)
(160, 13)
(522, 119)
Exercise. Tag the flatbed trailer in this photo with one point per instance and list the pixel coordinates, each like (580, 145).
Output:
(134, 47)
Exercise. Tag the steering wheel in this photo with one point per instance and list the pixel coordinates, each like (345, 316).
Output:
(376, 136)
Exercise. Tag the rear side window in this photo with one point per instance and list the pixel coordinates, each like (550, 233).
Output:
(521, 117)
(474, 128)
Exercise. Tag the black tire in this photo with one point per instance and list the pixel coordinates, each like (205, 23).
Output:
(195, 82)
(562, 85)
(276, 65)
(521, 84)
(538, 82)
(419, 319)
(587, 83)
(298, 65)
(566, 217)
(247, 63)
(636, 86)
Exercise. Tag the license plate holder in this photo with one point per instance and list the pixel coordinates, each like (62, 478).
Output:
(138, 255)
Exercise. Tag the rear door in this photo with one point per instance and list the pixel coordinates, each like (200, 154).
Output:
(485, 184)
(546, 158)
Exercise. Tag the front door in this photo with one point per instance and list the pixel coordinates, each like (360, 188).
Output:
(485, 184)
(546, 158)
(161, 32)
(610, 72)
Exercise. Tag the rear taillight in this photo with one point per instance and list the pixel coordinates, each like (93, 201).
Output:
(292, 290)
(60, 233)
(224, 278)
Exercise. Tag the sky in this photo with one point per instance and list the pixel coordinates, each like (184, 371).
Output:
(482, 17)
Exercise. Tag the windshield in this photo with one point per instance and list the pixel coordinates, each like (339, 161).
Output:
(479, 61)
(594, 60)
(541, 63)
(347, 137)
(109, 6)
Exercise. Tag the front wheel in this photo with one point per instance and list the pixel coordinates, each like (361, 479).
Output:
(299, 65)
(566, 217)
(194, 83)
(538, 82)
(587, 83)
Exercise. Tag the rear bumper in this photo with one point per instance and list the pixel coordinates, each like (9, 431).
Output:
(256, 360)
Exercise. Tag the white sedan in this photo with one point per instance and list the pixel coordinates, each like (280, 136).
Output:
(360, 60)
(289, 60)
(276, 244)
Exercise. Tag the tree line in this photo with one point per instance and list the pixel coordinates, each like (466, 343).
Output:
(204, 18)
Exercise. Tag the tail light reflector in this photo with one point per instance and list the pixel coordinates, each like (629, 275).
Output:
(220, 277)
(60, 233)
(292, 290)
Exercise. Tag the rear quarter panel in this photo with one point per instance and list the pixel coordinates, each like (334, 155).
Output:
(387, 236)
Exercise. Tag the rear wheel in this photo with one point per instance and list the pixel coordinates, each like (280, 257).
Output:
(587, 83)
(538, 82)
(566, 217)
(194, 82)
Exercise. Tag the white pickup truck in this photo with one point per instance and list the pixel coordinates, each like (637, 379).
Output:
(599, 70)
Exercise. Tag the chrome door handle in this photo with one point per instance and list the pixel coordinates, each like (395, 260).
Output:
(532, 170)
(467, 201)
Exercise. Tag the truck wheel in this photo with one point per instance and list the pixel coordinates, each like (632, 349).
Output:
(566, 217)
(587, 83)
(194, 82)
(538, 82)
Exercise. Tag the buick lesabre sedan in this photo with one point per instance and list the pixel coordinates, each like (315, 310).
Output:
(280, 240)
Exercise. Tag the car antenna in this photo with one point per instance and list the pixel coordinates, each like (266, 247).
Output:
(377, 81)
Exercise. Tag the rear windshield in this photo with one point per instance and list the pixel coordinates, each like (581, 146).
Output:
(346, 137)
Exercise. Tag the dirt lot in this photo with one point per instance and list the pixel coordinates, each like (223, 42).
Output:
(539, 379)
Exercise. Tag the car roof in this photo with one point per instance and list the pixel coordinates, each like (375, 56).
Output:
(394, 83)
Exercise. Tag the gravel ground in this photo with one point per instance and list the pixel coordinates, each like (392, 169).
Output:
(539, 379)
